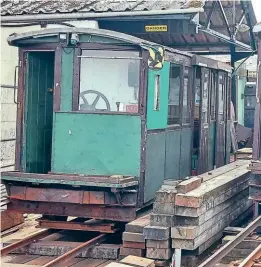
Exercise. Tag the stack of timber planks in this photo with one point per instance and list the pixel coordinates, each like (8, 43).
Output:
(157, 234)
(133, 239)
(192, 214)
(203, 213)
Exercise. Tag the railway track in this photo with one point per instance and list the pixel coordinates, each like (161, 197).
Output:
(67, 253)
(254, 259)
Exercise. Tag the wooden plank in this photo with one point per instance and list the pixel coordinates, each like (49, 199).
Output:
(10, 219)
(186, 220)
(215, 201)
(23, 258)
(128, 244)
(138, 261)
(188, 185)
(80, 226)
(212, 188)
(89, 263)
(137, 225)
(40, 260)
(132, 251)
(104, 264)
(204, 237)
(249, 243)
(58, 248)
(222, 170)
(63, 178)
(191, 232)
(133, 237)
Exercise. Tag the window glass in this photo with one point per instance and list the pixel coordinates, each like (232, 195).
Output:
(186, 111)
(174, 95)
(205, 98)
(221, 98)
(157, 93)
(213, 96)
(109, 81)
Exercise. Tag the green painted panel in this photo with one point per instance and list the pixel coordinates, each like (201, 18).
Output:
(67, 79)
(157, 119)
(172, 165)
(39, 40)
(155, 164)
(96, 144)
(212, 144)
(185, 152)
(99, 39)
(38, 112)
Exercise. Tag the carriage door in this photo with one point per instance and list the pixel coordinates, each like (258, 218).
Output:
(221, 126)
(204, 122)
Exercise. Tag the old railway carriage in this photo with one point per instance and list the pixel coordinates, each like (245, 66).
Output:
(103, 118)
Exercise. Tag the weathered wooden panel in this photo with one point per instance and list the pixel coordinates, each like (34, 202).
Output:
(96, 144)
(155, 164)
(185, 152)
(10, 219)
(203, 149)
(220, 144)
(172, 165)
(212, 140)
(228, 142)
(67, 79)
(157, 119)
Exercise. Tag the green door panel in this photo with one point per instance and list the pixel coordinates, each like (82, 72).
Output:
(157, 119)
(96, 144)
(185, 152)
(155, 164)
(172, 164)
(67, 79)
(38, 112)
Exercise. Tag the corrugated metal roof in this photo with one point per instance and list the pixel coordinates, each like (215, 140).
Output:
(19, 7)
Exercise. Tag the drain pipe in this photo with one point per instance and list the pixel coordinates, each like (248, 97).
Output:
(92, 15)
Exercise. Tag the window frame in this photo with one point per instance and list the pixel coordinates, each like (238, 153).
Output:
(189, 94)
(176, 125)
(213, 89)
(107, 47)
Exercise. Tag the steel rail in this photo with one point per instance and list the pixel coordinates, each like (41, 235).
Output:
(250, 260)
(26, 241)
(61, 260)
(223, 251)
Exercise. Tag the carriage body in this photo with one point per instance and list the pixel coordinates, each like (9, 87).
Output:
(104, 118)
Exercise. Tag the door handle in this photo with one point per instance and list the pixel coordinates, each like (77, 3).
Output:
(15, 85)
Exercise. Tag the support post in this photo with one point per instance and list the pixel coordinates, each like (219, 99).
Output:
(177, 257)
(234, 80)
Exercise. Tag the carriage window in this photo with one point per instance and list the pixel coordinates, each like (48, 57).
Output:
(221, 97)
(213, 96)
(186, 111)
(157, 93)
(204, 109)
(109, 81)
(174, 95)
